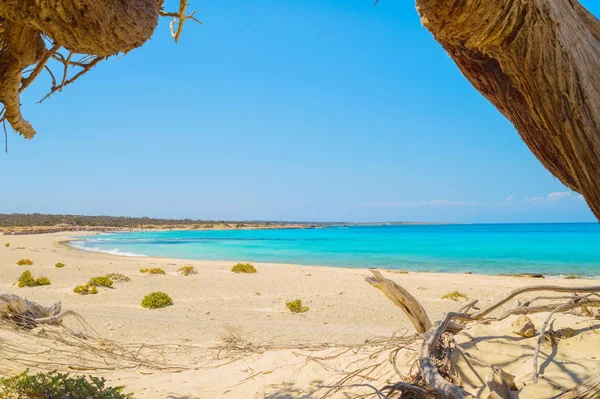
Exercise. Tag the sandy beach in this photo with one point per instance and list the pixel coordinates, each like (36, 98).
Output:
(344, 311)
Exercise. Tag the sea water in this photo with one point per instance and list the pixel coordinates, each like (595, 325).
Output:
(551, 249)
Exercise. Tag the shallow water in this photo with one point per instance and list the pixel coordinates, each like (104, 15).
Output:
(552, 249)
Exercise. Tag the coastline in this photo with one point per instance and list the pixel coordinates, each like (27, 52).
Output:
(66, 243)
(344, 310)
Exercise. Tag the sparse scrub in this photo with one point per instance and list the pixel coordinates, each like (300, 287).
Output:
(257, 293)
(59, 265)
(26, 280)
(85, 290)
(296, 306)
(118, 277)
(188, 270)
(53, 384)
(100, 281)
(156, 300)
(243, 268)
(7, 244)
(25, 262)
(143, 270)
(455, 296)
(156, 270)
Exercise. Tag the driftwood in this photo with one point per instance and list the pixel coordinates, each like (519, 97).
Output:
(435, 347)
(29, 313)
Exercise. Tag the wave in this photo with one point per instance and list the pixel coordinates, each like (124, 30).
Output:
(81, 245)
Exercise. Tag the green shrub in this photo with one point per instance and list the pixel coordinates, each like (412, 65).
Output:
(118, 277)
(295, 306)
(24, 262)
(257, 293)
(7, 244)
(85, 290)
(156, 270)
(55, 385)
(42, 281)
(156, 300)
(26, 279)
(143, 270)
(455, 296)
(59, 265)
(243, 268)
(100, 281)
(188, 270)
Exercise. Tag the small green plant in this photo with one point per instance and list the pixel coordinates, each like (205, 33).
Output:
(7, 244)
(27, 280)
(42, 281)
(257, 293)
(295, 306)
(455, 296)
(188, 270)
(85, 290)
(118, 277)
(59, 265)
(53, 384)
(100, 281)
(243, 268)
(156, 300)
(143, 270)
(156, 270)
(24, 262)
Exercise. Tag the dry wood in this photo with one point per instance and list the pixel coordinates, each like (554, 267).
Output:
(403, 299)
(538, 62)
(588, 389)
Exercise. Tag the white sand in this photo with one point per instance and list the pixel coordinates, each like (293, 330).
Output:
(344, 309)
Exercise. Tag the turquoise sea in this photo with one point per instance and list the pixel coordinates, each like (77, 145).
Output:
(551, 249)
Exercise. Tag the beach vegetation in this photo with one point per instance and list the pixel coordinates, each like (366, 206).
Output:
(187, 270)
(7, 244)
(26, 280)
(59, 265)
(296, 306)
(42, 281)
(85, 289)
(243, 268)
(50, 385)
(455, 296)
(257, 293)
(157, 300)
(143, 270)
(118, 277)
(100, 281)
(24, 262)
(156, 270)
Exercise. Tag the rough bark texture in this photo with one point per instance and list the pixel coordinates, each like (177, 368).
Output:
(94, 27)
(538, 62)
(588, 389)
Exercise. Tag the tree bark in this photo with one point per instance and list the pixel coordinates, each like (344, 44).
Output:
(98, 27)
(537, 62)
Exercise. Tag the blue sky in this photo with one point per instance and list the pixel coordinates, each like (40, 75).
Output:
(282, 110)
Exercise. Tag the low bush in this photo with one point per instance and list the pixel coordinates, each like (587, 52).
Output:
(243, 268)
(59, 265)
(100, 281)
(455, 296)
(51, 385)
(156, 270)
(26, 280)
(188, 270)
(7, 244)
(156, 300)
(118, 277)
(143, 270)
(85, 290)
(295, 306)
(25, 262)
(42, 281)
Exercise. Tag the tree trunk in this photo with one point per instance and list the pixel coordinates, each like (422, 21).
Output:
(538, 62)
(97, 27)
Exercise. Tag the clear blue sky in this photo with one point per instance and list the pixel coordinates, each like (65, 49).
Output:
(282, 110)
